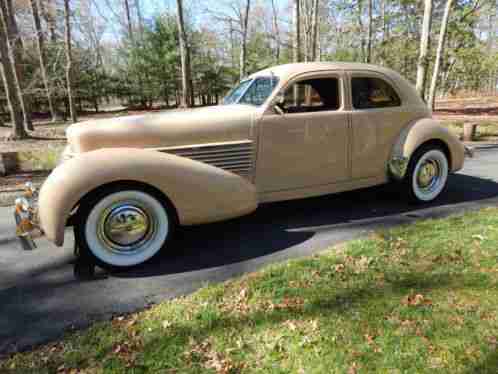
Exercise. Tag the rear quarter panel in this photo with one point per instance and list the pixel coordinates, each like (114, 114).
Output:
(421, 131)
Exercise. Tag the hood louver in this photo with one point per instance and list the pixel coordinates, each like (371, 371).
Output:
(235, 157)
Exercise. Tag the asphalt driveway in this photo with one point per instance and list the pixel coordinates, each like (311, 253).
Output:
(40, 299)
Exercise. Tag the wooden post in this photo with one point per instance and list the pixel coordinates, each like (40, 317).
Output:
(469, 131)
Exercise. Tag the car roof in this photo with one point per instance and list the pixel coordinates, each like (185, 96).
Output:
(287, 71)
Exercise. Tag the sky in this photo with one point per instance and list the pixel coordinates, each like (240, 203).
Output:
(198, 10)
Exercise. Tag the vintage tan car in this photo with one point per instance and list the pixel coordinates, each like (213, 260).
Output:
(287, 132)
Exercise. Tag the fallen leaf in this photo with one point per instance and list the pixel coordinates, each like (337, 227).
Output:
(416, 300)
(291, 325)
(479, 237)
(339, 268)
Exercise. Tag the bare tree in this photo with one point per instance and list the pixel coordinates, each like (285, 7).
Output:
(42, 56)
(314, 31)
(276, 30)
(439, 53)
(48, 12)
(368, 57)
(9, 78)
(363, 43)
(69, 61)
(243, 47)
(128, 20)
(423, 59)
(184, 53)
(297, 31)
(15, 47)
(140, 17)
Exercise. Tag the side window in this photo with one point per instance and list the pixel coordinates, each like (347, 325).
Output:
(371, 93)
(312, 95)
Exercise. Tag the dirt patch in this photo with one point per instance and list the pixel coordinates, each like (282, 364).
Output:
(12, 183)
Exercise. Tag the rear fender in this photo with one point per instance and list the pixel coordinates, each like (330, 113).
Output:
(199, 192)
(416, 134)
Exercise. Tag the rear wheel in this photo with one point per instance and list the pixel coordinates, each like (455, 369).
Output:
(427, 174)
(121, 228)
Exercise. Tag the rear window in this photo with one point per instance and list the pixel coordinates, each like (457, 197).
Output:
(369, 93)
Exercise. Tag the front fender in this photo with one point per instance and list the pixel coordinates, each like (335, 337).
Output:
(200, 193)
(418, 133)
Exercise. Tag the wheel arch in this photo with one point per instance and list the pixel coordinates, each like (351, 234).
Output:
(419, 134)
(199, 193)
(436, 142)
(126, 184)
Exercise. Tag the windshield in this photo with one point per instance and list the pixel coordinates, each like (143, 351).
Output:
(235, 94)
(252, 91)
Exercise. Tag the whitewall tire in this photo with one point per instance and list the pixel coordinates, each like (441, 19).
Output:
(123, 228)
(427, 174)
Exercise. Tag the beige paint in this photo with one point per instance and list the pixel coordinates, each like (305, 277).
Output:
(200, 193)
(301, 150)
(168, 129)
(423, 130)
(277, 157)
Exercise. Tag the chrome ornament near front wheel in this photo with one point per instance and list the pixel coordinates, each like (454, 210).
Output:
(26, 217)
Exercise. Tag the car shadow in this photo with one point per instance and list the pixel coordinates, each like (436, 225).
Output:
(278, 226)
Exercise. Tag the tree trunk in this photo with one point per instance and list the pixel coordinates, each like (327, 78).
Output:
(18, 50)
(243, 48)
(314, 31)
(15, 49)
(128, 20)
(276, 30)
(69, 61)
(42, 56)
(11, 79)
(297, 31)
(439, 53)
(368, 58)
(360, 24)
(49, 16)
(184, 98)
(423, 60)
(8, 73)
(383, 20)
(140, 17)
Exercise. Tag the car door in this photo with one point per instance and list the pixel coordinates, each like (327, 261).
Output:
(306, 144)
(378, 116)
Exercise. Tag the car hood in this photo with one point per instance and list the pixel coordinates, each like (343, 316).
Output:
(167, 129)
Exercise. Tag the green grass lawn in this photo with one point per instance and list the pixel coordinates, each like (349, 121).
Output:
(415, 299)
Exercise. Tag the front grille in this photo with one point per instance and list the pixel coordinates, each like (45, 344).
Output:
(236, 157)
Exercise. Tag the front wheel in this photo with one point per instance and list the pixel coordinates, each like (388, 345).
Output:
(427, 174)
(123, 228)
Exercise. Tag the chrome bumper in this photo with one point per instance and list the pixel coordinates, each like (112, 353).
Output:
(469, 151)
(26, 217)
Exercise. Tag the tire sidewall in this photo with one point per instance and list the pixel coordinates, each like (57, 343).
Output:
(416, 162)
(86, 228)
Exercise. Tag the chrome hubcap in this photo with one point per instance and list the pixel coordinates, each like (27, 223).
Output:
(429, 175)
(125, 227)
